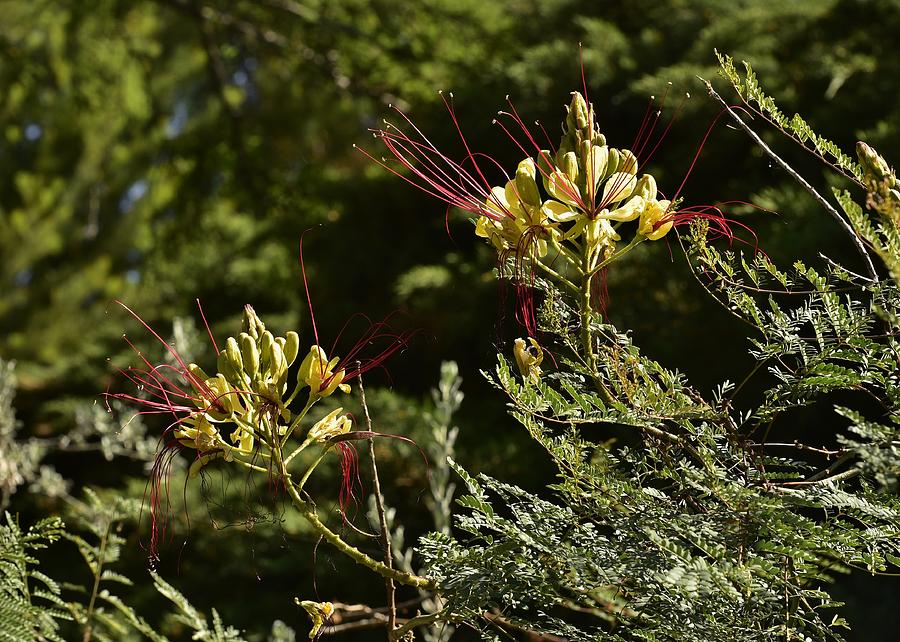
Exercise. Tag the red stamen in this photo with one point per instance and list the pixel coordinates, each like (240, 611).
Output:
(350, 479)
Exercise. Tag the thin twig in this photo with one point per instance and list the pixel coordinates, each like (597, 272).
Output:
(413, 623)
(357, 617)
(101, 557)
(307, 510)
(847, 474)
(382, 518)
(530, 635)
(352, 612)
(857, 241)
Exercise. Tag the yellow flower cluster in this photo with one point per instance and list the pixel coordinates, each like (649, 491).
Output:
(247, 394)
(591, 189)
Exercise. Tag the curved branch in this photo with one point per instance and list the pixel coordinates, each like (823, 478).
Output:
(857, 241)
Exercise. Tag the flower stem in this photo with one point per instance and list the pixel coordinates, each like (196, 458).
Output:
(299, 449)
(556, 275)
(311, 468)
(616, 256)
(308, 512)
(296, 422)
(587, 339)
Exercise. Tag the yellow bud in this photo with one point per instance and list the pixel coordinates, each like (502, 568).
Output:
(614, 159)
(265, 341)
(197, 371)
(225, 367)
(291, 346)
(526, 185)
(251, 323)
(646, 187)
(569, 165)
(233, 352)
(250, 354)
(872, 162)
(276, 361)
(578, 117)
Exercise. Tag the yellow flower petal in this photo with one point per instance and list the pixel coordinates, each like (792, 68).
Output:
(618, 187)
(558, 212)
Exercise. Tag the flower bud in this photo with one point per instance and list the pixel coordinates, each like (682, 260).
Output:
(197, 372)
(646, 187)
(872, 162)
(250, 353)
(578, 117)
(526, 186)
(251, 323)
(275, 358)
(225, 367)
(569, 165)
(233, 352)
(265, 341)
(292, 345)
(613, 161)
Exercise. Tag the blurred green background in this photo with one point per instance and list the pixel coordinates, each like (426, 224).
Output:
(158, 152)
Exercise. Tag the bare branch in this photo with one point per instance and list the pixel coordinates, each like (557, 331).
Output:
(382, 518)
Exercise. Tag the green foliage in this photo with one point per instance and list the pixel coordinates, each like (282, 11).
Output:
(699, 525)
(35, 606)
(19, 463)
(96, 429)
(30, 602)
(196, 621)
